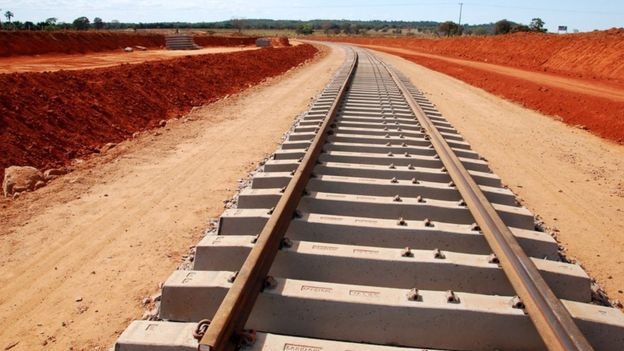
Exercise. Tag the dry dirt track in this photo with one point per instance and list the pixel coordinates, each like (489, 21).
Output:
(573, 179)
(77, 257)
(53, 62)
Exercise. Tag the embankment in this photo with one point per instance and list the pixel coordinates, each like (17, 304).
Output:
(47, 119)
(28, 43)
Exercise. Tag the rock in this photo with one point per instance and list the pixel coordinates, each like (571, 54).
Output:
(78, 299)
(156, 297)
(39, 184)
(18, 179)
(53, 173)
(147, 300)
(128, 49)
(162, 123)
(107, 147)
(139, 47)
(136, 134)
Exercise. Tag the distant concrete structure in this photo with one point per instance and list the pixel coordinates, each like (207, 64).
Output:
(181, 42)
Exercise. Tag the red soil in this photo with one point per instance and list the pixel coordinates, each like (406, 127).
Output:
(18, 43)
(279, 42)
(15, 43)
(595, 58)
(601, 116)
(47, 119)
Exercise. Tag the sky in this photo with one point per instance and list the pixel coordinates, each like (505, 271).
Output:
(581, 15)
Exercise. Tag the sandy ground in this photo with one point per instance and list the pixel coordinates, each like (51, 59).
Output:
(603, 90)
(78, 256)
(54, 62)
(572, 179)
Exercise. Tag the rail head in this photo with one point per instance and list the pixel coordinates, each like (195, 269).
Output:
(226, 328)
(550, 317)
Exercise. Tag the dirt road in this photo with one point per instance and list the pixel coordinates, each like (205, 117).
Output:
(573, 179)
(54, 62)
(78, 256)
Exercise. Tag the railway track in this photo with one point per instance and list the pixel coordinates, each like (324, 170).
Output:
(376, 227)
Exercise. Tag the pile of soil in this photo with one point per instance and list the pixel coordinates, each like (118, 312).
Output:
(25, 43)
(595, 55)
(47, 119)
(17, 43)
(279, 42)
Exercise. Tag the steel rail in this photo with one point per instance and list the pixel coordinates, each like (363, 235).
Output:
(232, 314)
(551, 319)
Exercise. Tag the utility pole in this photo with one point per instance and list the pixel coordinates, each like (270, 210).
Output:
(461, 5)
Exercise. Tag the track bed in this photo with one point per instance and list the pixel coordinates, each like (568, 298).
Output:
(358, 234)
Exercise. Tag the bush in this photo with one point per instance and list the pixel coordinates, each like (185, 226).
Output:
(502, 27)
(305, 29)
(81, 23)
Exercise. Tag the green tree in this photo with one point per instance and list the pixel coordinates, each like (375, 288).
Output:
(51, 21)
(449, 28)
(8, 16)
(98, 23)
(502, 27)
(305, 29)
(81, 23)
(537, 25)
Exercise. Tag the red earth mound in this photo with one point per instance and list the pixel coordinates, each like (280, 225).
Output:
(596, 58)
(22, 43)
(47, 119)
(598, 55)
(279, 42)
(16, 43)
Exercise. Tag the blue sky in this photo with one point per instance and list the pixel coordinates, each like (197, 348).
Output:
(582, 15)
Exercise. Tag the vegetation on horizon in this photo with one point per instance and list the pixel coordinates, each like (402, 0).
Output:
(319, 26)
